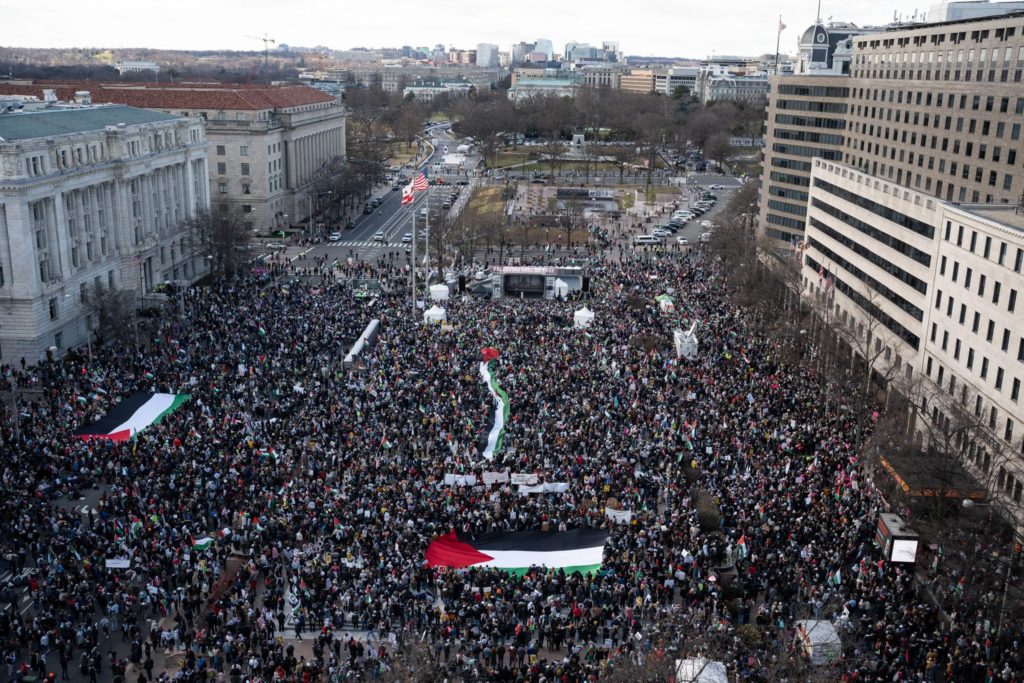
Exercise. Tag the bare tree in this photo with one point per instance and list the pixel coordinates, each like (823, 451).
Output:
(572, 219)
(220, 237)
(110, 312)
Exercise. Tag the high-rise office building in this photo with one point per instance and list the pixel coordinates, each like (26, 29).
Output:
(903, 182)
(487, 55)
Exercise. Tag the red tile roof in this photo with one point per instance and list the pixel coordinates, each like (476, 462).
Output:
(179, 96)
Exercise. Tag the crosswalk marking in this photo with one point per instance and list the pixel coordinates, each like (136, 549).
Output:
(385, 245)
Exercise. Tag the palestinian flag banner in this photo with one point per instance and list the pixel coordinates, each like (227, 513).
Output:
(201, 544)
(574, 550)
(132, 415)
(495, 435)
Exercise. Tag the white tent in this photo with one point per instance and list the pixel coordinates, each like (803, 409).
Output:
(582, 318)
(819, 640)
(700, 670)
(439, 293)
(561, 288)
(435, 314)
(685, 343)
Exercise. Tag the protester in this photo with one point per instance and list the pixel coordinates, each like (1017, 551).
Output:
(322, 485)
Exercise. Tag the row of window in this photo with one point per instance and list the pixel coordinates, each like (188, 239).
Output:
(810, 121)
(869, 307)
(800, 150)
(789, 178)
(987, 246)
(243, 150)
(786, 207)
(951, 386)
(891, 215)
(806, 105)
(901, 303)
(222, 168)
(881, 236)
(872, 256)
(808, 136)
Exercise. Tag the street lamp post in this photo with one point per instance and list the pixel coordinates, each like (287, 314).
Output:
(15, 417)
(310, 197)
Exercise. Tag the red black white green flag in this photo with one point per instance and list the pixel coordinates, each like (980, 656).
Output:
(494, 437)
(516, 552)
(132, 415)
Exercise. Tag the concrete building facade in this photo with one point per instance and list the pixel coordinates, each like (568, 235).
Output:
(267, 143)
(932, 291)
(92, 197)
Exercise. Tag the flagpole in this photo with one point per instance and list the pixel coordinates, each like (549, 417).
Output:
(778, 40)
(412, 269)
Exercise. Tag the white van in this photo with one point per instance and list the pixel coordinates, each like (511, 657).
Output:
(423, 213)
(647, 239)
(705, 237)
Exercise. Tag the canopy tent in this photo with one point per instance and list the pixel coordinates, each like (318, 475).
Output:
(561, 288)
(582, 318)
(435, 314)
(818, 640)
(700, 670)
(439, 292)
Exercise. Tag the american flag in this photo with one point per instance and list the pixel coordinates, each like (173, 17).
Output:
(408, 194)
(782, 27)
(420, 182)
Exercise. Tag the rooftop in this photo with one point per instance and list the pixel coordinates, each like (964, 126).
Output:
(1009, 215)
(184, 96)
(53, 122)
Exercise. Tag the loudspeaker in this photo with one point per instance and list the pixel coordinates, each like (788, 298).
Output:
(586, 284)
(462, 284)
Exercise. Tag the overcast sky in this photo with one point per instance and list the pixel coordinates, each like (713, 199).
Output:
(684, 28)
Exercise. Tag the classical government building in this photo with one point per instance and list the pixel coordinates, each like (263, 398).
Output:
(895, 163)
(267, 143)
(91, 197)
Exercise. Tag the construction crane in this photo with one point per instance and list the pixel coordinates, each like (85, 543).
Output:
(267, 42)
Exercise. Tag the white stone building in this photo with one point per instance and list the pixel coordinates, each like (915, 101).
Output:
(267, 143)
(91, 197)
(939, 287)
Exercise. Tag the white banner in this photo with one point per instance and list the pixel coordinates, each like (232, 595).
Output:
(524, 478)
(460, 480)
(550, 487)
(118, 563)
(619, 516)
(495, 478)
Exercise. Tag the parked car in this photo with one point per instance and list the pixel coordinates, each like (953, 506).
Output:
(368, 209)
(661, 232)
(274, 245)
(682, 240)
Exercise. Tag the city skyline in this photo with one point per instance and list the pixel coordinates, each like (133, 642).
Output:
(736, 27)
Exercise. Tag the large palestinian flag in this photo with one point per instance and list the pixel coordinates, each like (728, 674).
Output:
(132, 415)
(579, 550)
(494, 437)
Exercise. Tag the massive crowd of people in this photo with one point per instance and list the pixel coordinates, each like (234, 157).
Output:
(323, 484)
